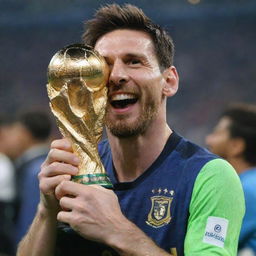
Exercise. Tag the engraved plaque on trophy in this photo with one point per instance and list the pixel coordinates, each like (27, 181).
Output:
(77, 77)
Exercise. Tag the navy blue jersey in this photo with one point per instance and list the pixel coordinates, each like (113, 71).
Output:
(157, 201)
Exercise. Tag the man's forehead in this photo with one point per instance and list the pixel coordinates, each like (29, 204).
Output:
(124, 41)
(223, 123)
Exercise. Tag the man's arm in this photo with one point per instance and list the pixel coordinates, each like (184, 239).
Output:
(59, 165)
(41, 237)
(133, 242)
(216, 211)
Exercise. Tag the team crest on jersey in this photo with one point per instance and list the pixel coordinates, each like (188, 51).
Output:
(160, 213)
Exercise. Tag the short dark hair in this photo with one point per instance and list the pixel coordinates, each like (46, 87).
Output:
(113, 17)
(37, 122)
(243, 125)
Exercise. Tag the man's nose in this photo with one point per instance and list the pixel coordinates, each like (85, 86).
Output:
(118, 73)
(208, 139)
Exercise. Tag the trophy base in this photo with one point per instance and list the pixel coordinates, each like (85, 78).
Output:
(89, 179)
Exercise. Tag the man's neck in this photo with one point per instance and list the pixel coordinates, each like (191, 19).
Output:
(133, 155)
(240, 165)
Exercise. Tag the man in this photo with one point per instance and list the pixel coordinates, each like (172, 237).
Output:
(27, 142)
(168, 196)
(234, 139)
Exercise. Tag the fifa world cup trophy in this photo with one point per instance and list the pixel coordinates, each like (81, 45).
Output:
(77, 77)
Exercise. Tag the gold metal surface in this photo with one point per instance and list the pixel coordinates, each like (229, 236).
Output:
(77, 77)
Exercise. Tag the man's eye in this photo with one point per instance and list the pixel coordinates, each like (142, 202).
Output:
(134, 62)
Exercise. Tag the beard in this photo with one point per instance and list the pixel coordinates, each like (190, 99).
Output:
(123, 129)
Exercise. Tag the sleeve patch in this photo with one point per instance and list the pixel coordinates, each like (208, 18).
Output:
(215, 231)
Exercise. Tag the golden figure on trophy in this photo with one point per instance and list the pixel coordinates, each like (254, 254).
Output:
(77, 77)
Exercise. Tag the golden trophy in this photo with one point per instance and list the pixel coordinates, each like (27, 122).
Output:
(77, 77)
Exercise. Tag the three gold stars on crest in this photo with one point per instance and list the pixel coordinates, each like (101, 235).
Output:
(164, 191)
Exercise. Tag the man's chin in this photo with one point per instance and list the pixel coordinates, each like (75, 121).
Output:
(123, 130)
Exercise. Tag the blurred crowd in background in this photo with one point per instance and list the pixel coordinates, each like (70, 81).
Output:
(215, 58)
(24, 144)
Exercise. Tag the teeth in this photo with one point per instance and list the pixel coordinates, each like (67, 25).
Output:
(122, 97)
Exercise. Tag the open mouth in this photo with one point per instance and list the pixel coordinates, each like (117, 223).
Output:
(123, 100)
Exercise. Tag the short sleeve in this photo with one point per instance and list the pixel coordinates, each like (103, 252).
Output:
(248, 180)
(216, 211)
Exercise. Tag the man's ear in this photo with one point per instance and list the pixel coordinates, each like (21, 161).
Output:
(171, 83)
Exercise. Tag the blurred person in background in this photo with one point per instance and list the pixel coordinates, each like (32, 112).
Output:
(234, 138)
(27, 144)
(7, 195)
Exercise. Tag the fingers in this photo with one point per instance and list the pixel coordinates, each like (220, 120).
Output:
(61, 150)
(67, 203)
(47, 185)
(88, 209)
(73, 189)
(69, 188)
(52, 175)
(63, 144)
(60, 164)
(64, 216)
(59, 155)
(57, 168)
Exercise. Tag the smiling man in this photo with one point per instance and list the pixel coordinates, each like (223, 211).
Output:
(169, 195)
(134, 95)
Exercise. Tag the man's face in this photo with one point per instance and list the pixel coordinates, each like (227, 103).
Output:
(13, 139)
(135, 83)
(219, 141)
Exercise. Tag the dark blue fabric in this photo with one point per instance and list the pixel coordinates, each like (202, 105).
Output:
(28, 195)
(168, 182)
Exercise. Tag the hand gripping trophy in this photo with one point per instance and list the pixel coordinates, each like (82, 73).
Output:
(77, 77)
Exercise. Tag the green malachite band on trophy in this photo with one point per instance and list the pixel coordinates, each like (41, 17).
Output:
(89, 179)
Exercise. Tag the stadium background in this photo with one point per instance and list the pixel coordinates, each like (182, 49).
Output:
(215, 53)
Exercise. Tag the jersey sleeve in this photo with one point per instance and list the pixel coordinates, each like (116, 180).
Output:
(249, 224)
(216, 211)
